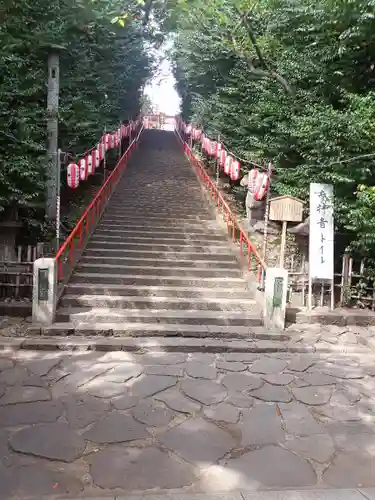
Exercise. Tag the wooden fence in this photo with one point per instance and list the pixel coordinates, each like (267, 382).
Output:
(354, 284)
(16, 272)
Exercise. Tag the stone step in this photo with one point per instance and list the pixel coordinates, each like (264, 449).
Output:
(161, 302)
(165, 205)
(148, 253)
(52, 342)
(158, 196)
(140, 330)
(167, 262)
(152, 235)
(173, 212)
(162, 206)
(178, 229)
(87, 266)
(139, 279)
(159, 240)
(174, 317)
(160, 224)
(151, 192)
(183, 292)
(95, 242)
(129, 215)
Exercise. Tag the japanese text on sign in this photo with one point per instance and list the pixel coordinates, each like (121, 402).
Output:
(278, 292)
(321, 248)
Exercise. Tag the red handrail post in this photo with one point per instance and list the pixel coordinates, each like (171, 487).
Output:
(71, 251)
(60, 273)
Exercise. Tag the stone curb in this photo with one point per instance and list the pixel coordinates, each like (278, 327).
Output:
(367, 342)
(76, 332)
(176, 344)
(141, 345)
(338, 317)
(316, 494)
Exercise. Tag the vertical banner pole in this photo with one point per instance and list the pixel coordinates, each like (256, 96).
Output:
(266, 218)
(104, 156)
(119, 144)
(218, 161)
(58, 189)
(321, 240)
(283, 243)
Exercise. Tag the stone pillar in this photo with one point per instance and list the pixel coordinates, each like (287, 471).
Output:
(275, 297)
(44, 291)
(52, 132)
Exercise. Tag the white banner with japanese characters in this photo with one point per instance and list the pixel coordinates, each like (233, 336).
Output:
(321, 245)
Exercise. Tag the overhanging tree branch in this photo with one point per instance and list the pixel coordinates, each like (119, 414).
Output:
(260, 73)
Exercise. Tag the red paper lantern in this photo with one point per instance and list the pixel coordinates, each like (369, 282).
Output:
(83, 169)
(222, 157)
(261, 186)
(253, 177)
(212, 148)
(99, 149)
(107, 141)
(72, 176)
(95, 158)
(235, 170)
(228, 164)
(90, 164)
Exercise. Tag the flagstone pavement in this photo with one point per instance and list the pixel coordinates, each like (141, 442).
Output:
(116, 422)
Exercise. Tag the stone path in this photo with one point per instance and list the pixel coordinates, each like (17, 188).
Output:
(119, 423)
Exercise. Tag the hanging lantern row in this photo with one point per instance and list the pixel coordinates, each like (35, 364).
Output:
(258, 181)
(86, 166)
(258, 184)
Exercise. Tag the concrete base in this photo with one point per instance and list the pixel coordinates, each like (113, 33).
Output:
(325, 316)
(44, 291)
(275, 297)
(316, 494)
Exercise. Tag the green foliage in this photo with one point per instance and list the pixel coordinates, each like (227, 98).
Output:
(289, 81)
(103, 68)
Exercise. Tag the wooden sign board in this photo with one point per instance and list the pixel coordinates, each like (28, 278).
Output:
(321, 261)
(286, 209)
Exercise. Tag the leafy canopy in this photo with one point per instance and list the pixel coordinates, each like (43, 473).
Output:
(289, 81)
(104, 65)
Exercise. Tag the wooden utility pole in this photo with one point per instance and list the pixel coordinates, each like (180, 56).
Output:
(52, 129)
(218, 160)
(266, 220)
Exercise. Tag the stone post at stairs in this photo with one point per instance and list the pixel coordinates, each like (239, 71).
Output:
(275, 297)
(44, 291)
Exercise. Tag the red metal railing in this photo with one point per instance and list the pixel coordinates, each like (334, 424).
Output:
(238, 233)
(71, 250)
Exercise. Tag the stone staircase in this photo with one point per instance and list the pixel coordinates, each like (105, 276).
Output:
(158, 263)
